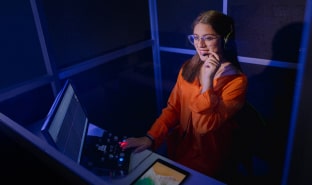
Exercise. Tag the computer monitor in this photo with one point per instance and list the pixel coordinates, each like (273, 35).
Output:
(53, 158)
(66, 124)
(68, 129)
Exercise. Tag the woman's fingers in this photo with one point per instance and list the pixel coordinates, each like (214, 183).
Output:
(212, 62)
(139, 144)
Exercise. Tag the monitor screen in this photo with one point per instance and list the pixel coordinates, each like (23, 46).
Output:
(66, 124)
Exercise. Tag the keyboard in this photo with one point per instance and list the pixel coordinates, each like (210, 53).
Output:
(104, 156)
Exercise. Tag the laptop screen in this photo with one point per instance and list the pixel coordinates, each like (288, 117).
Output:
(66, 124)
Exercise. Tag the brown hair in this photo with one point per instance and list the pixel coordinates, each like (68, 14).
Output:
(224, 26)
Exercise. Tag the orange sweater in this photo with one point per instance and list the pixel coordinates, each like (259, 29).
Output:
(198, 127)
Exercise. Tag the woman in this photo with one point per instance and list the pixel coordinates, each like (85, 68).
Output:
(197, 123)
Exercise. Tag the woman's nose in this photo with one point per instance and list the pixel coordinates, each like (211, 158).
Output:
(201, 43)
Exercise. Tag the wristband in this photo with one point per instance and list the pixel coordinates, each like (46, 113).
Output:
(150, 138)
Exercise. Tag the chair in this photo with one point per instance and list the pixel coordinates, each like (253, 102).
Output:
(247, 138)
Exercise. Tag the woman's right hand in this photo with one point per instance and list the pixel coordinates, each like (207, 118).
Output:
(211, 64)
(137, 143)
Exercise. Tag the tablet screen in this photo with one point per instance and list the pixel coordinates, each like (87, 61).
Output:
(161, 173)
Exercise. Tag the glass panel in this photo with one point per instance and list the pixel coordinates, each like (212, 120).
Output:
(273, 31)
(21, 56)
(29, 107)
(77, 30)
(120, 95)
(175, 20)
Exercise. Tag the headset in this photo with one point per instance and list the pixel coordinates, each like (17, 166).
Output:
(226, 38)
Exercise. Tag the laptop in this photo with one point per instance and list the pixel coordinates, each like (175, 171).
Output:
(68, 129)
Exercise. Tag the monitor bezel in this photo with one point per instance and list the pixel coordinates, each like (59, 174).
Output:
(48, 120)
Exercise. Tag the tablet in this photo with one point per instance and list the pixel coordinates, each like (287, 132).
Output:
(162, 172)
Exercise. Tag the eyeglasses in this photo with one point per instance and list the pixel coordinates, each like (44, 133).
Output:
(207, 38)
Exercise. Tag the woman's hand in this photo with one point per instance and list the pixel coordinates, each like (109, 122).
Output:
(209, 69)
(139, 144)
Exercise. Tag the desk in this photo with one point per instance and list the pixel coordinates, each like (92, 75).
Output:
(139, 162)
(195, 177)
(30, 138)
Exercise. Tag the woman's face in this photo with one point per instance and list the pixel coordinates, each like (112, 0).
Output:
(206, 39)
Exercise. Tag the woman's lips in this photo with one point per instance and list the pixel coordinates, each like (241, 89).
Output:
(203, 53)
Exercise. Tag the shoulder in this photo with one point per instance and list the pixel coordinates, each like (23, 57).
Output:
(227, 69)
(229, 74)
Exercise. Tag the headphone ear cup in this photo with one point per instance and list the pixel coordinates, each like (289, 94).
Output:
(226, 38)
(225, 43)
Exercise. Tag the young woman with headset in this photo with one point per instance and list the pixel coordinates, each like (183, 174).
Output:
(197, 124)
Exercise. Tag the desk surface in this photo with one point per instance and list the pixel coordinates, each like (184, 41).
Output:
(139, 162)
(195, 177)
